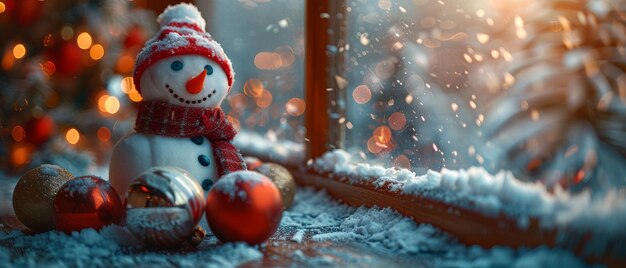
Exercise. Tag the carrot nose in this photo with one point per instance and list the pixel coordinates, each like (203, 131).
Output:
(195, 84)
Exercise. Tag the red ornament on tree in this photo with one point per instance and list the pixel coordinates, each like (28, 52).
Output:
(86, 202)
(135, 37)
(244, 206)
(67, 58)
(39, 130)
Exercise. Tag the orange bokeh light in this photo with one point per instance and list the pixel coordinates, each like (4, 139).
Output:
(238, 102)
(21, 153)
(265, 100)
(125, 64)
(96, 52)
(19, 51)
(362, 94)
(382, 134)
(402, 161)
(268, 60)
(72, 136)
(253, 88)
(18, 133)
(373, 146)
(83, 40)
(295, 106)
(397, 121)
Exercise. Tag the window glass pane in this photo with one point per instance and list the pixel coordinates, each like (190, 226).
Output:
(265, 42)
(407, 96)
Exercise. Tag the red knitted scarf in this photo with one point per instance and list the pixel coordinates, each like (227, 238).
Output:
(162, 118)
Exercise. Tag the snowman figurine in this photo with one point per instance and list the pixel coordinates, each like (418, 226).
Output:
(183, 76)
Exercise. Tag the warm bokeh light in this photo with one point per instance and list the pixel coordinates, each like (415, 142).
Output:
(125, 63)
(238, 102)
(101, 100)
(96, 52)
(134, 95)
(127, 84)
(373, 146)
(19, 51)
(48, 68)
(18, 133)
(265, 100)
(20, 154)
(72, 136)
(104, 134)
(2, 7)
(84, 40)
(268, 60)
(397, 121)
(253, 88)
(111, 105)
(402, 161)
(362, 94)
(382, 134)
(8, 60)
(295, 107)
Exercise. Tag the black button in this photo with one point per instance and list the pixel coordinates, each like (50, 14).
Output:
(207, 184)
(204, 160)
(198, 140)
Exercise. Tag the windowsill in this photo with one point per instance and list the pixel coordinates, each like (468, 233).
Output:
(459, 215)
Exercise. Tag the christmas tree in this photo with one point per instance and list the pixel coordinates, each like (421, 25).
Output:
(65, 79)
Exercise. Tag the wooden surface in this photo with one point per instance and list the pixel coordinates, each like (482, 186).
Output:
(469, 227)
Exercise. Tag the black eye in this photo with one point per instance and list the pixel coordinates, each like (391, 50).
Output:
(177, 65)
(209, 69)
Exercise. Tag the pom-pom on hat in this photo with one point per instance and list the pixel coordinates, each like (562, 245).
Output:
(182, 33)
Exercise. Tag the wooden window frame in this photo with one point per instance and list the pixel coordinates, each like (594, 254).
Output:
(469, 227)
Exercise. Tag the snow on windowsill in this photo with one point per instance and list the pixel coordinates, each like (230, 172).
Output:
(477, 190)
(270, 147)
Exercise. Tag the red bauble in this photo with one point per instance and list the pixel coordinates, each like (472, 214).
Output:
(135, 37)
(86, 202)
(67, 58)
(244, 206)
(252, 162)
(39, 130)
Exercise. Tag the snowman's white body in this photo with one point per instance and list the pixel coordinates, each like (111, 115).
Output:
(138, 152)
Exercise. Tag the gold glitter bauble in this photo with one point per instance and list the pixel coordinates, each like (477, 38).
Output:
(34, 194)
(280, 176)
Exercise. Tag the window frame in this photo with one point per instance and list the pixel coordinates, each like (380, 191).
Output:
(469, 227)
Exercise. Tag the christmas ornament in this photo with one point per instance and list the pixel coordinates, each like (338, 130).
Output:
(283, 180)
(39, 130)
(135, 37)
(252, 162)
(34, 194)
(163, 206)
(86, 202)
(244, 206)
(67, 58)
(183, 76)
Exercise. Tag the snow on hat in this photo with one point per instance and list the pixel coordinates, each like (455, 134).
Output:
(182, 33)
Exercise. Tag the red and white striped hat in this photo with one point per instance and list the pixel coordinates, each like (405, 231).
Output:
(182, 33)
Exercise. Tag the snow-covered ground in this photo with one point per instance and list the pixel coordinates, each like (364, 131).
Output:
(313, 217)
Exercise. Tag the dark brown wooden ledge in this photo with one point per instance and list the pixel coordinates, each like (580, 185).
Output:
(469, 227)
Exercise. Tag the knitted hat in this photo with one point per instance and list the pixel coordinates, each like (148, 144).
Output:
(182, 33)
